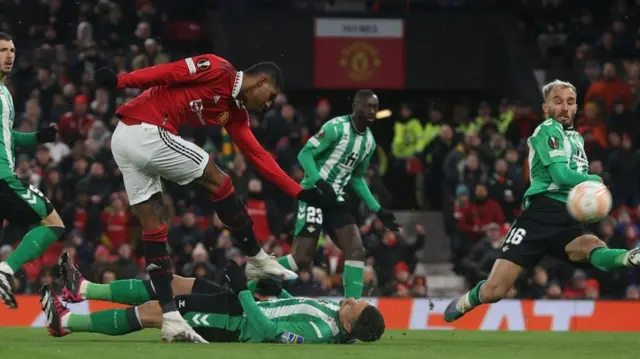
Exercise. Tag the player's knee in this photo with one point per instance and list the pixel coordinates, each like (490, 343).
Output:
(494, 291)
(53, 220)
(220, 187)
(356, 253)
(150, 314)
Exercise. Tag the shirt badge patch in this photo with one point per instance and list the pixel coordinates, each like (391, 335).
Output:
(203, 64)
(290, 338)
(321, 134)
(553, 142)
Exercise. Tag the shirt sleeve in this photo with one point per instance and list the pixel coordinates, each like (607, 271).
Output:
(22, 139)
(317, 144)
(359, 185)
(240, 133)
(313, 332)
(260, 322)
(195, 69)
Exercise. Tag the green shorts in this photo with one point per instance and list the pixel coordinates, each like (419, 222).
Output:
(22, 204)
(312, 221)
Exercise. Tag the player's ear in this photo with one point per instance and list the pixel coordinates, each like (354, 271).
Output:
(347, 326)
(545, 109)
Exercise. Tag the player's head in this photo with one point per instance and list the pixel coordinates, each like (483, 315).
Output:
(362, 320)
(7, 53)
(365, 107)
(262, 83)
(560, 102)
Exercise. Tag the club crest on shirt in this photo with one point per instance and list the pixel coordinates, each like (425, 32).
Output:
(320, 134)
(223, 117)
(290, 338)
(553, 142)
(203, 64)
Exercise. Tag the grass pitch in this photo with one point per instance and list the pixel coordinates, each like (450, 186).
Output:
(33, 343)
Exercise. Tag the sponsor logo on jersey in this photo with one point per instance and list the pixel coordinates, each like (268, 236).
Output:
(321, 134)
(553, 142)
(223, 118)
(290, 338)
(203, 64)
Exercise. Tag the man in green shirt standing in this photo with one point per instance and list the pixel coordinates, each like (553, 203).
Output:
(557, 163)
(338, 155)
(19, 203)
(216, 313)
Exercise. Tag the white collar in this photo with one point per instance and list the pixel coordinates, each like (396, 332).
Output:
(237, 84)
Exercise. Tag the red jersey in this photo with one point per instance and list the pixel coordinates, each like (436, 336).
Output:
(72, 123)
(200, 91)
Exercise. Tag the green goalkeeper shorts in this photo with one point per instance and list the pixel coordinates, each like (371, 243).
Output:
(22, 204)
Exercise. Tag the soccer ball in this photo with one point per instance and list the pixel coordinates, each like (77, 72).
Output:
(589, 202)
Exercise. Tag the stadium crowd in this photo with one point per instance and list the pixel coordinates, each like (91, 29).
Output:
(472, 166)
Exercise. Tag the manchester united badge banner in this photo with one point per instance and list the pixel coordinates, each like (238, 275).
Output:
(359, 53)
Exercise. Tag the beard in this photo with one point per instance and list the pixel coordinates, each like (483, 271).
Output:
(564, 118)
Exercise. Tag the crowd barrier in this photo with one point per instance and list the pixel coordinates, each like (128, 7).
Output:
(507, 315)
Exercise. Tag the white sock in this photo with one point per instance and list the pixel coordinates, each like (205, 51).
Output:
(4, 267)
(83, 289)
(64, 321)
(261, 256)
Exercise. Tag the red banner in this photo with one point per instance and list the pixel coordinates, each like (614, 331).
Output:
(359, 53)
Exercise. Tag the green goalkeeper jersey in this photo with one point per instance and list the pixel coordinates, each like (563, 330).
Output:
(339, 154)
(550, 144)
(291, 321)
(9, 138)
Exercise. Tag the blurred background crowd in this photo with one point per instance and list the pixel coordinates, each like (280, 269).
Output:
(469, 164)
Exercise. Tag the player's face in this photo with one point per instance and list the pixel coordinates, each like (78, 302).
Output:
(7, 56)
(561, 106)
(350, 310)
(365, 109)
(261, 97)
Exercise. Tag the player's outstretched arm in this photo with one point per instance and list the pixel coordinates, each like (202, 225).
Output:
(241, 135)
(194, 69)
(30, 139)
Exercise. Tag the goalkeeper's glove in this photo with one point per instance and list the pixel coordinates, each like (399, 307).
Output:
(47, 134)
(234, 275)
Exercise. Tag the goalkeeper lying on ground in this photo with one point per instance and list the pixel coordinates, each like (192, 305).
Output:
(216, 313)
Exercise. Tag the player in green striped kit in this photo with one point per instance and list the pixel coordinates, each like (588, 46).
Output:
(19, 203)
(557, 163)
(219, 314)
(339, 154)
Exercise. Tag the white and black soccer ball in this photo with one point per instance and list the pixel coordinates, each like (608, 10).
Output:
(589, 202)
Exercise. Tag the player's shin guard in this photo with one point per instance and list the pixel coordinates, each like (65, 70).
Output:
(33, 244)
(607, 259)
(109, 322)
(233, 213)
(126, 291)
(158, 261)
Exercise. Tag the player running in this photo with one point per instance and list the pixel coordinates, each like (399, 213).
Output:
(557, 162)
(20, 203)
(339, 154)
(216, 313)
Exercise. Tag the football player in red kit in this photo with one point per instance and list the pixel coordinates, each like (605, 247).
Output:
(197, 91)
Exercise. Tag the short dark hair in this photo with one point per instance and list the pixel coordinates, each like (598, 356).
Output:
(270, 69)
(363, 94)
(4, 36)
(369, 326)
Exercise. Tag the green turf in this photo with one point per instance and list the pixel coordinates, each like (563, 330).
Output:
(34, 343)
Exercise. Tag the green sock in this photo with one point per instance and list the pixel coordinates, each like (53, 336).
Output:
(110, 322)
(474, 294)
(128, 291)
(353, 278)
(33, 244)
(288, 262)
(607, 259)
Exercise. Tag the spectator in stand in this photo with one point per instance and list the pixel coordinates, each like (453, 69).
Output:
(471, 171)
(582, 287)
(434, 157)
(186, 231)
(609, 88)
(506, 189)
(624, 167)
(632, 292)
(115, 224)
(74, 126)
(478, 263)
(622, 120)
(482, 212)
(592, 121)
(306, 285)
(125, 264)
(265, 214)
(407, 138)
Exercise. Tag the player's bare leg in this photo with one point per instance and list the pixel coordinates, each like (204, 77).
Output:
(589, 248)
(151, 214)
(33, 244)
(233, 213)
(501, 279)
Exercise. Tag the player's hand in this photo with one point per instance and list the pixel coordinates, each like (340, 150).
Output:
(47, 134)
(389, 219)
(105, 77)
(234, 275)
(269, 286)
